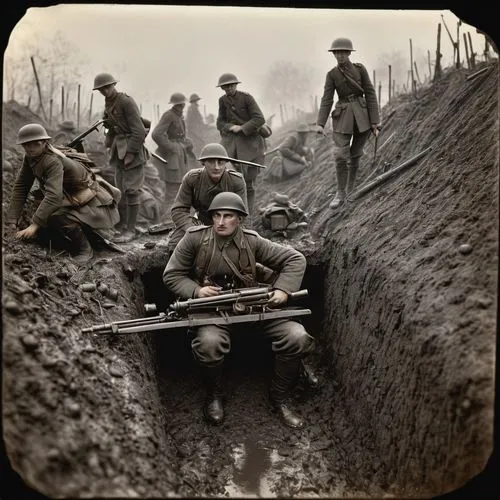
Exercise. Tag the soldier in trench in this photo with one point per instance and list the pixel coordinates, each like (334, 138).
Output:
(75, 203)
(174, 146)
(242, 127)
(200, 186)
(127, 152)
(355, 116)
(205, 261)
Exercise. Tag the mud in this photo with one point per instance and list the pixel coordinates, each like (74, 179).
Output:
(403, 293)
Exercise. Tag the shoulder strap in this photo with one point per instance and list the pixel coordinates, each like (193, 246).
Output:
(351, 80)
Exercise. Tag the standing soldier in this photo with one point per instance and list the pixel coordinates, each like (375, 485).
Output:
(127, 153)
(200, 186)
(209, 257)
(356, 114)
(195, 124)
(173, 145)
(240, 123)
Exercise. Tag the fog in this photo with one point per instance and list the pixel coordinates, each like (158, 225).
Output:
(155, 50)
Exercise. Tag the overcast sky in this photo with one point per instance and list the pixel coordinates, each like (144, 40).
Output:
(156, 50)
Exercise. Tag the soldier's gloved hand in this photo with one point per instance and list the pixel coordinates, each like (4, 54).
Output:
(319, 129)
(278, 297)
(208, 291)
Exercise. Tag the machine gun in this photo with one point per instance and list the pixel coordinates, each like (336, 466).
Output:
(243, 305)
(79, 138)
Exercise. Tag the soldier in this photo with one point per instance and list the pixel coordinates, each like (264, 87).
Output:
(200, 186)
(195, 125)
(207, 258)
(127, 152)
(293, 154)
(356, 114)
(74, 202)
(240, 123)
(173, 145)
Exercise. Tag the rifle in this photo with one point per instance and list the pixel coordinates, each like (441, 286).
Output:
(243, 305)
(84, 134)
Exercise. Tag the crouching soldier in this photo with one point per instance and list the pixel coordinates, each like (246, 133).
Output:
(208, 256)
(74, 202)
(199, 187)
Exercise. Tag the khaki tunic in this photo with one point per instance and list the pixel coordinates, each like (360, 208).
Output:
(195, 128)
(183, 274)
(353, 106)
(126, 131)
(173, 146)
(58, 177)
(197, 191)
(242, 109)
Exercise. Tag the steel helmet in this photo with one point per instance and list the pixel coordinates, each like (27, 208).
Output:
(302, 127)
(214, 150)
(194, 97)
(103, 79)
(177, 98)
(226, 79)
(228, 201)
(341, 44)
(31, 132)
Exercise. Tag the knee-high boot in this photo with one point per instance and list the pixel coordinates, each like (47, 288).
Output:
(351, 178)
(286, 373)
(213, 409)
(341, 168)
(78, 243)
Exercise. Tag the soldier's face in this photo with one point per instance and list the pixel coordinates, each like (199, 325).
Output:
(225, 222)
(108, 90)
(342, 55)
(34, 148)
(229, 89)
(215, 168)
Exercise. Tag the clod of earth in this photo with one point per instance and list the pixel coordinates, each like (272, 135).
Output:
(402, 288)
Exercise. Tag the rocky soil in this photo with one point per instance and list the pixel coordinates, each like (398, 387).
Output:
(403, 291)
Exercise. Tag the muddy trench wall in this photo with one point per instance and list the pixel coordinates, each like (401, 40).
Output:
(411, 301)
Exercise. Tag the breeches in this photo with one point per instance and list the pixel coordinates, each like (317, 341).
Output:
(288, 338)
(129, 182)
(345, 149)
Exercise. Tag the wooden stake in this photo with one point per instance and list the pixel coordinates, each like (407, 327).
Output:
(411, 68)
(282, 116)
(437, 69)
(467, 52)
(457, 44)
(429, 63)
(78, 108)
(416, 72)
(90, 107)
(390, 81)
(38, 88)
(51, 103)
(374, 80)
(472, 53)
(379, 93)
(62, 103)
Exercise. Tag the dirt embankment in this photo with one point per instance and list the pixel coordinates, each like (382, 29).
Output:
(404, 293)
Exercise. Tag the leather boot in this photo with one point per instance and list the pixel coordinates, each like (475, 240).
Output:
(213, 409)
(309, 376)
(79, 245)
(352, 173)
(129, 234)
(286, 373)
(341, 168)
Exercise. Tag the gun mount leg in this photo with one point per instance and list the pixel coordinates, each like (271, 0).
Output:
(286, 374)
(213, 409)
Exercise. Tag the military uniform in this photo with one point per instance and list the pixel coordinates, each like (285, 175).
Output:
(355, 112)
(195, 127)
(72, 197)
(291, 151)
(197, 191)
(242, 109)
(126, 134)
(186, 271)
(173, 146)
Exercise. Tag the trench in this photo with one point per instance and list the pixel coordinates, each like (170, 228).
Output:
(251, 453)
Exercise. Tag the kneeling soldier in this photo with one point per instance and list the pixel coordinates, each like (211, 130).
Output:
(208, 256)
